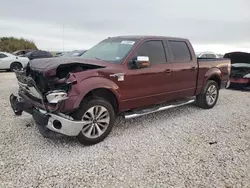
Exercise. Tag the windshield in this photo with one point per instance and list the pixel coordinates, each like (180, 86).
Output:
(113, 50)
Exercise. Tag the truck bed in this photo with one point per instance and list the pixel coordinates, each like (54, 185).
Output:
(219, 65)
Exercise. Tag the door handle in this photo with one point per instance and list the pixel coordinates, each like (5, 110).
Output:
(168, 71)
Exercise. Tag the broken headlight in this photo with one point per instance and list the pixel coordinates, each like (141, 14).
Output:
(56, 96)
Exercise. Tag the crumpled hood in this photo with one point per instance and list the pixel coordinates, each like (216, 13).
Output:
(48, 66)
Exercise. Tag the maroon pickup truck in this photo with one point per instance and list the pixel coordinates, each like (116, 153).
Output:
(126, 75)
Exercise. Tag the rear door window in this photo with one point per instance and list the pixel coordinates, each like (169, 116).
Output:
(180, 51)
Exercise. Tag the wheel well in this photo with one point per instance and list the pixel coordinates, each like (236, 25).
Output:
(16, 62)
(216, 79)
(105, 94)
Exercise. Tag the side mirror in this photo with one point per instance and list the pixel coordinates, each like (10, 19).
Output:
(139, 62)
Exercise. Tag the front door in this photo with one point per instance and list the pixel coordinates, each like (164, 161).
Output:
(148, 86)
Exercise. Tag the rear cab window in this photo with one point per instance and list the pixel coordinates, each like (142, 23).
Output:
(180, 51)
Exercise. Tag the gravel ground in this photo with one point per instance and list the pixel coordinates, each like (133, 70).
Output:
(182, 147)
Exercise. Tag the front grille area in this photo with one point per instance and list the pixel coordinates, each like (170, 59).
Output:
(32, 97)
(40, 80)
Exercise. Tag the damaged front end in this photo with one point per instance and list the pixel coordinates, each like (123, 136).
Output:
(45, 93)
(49, 96)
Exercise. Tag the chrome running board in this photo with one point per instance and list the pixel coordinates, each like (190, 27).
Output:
(157, 109)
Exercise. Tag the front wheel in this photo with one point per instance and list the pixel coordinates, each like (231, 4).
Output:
(209, 96)
(98, 116)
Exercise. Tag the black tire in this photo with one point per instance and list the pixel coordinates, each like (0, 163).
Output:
(84, 107)
(201, 100)
(15, 66)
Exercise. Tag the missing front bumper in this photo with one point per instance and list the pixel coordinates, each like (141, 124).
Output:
(50, 121)
(18, 105)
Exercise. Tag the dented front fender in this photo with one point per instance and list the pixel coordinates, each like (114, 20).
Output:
(83, 86)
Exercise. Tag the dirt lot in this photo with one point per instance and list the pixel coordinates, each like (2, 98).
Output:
(182, 147)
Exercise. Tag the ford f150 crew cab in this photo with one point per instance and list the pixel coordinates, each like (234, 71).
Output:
(126, 75)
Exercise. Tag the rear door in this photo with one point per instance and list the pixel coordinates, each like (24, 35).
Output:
(148, 85)
(184, 66)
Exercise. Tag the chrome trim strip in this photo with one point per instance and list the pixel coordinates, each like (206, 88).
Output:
(148, 111)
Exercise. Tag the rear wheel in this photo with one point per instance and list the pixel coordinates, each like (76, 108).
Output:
(209, 96)
(98, 116)
(15, 66)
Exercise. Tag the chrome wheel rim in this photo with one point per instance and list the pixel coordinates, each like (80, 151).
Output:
(96, 121)
(211, 95)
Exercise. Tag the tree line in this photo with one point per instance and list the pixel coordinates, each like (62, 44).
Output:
(11, 44)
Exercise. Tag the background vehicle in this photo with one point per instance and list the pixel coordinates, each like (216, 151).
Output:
(59, 54)
(37, 54)
(11, 62)
(208, 55)
(74, 53)
(240, 69)
(129, 75)
(22, 52)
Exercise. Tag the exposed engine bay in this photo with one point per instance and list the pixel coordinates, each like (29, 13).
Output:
(240, 68)
(58, 81)
(63, 70)
(50, 89)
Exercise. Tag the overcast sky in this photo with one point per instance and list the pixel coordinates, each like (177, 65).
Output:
(217, 25)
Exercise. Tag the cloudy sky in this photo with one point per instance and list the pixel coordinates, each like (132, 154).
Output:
(217, 25)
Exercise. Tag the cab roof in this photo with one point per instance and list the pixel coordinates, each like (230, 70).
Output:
(140, 37)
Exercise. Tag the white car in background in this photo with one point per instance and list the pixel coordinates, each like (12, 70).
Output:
(208, 55)
(12, 62)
